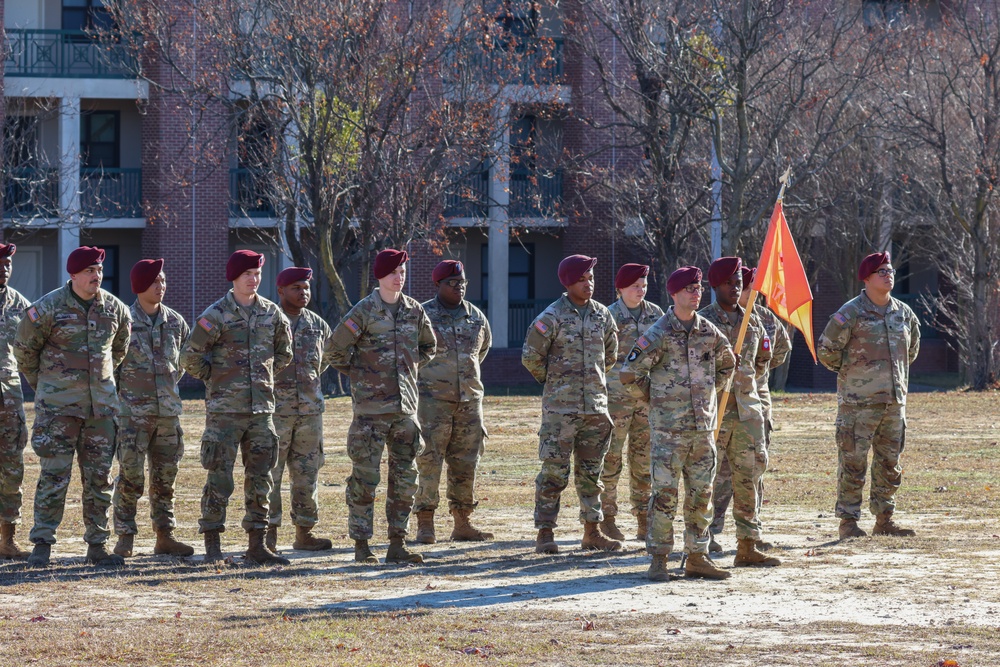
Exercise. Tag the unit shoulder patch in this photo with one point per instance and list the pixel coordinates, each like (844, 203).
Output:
(634, 354)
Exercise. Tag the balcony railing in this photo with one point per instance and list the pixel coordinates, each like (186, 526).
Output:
(520, 314)
(248, 194)
(469, 198)
(65, 53)
(111, 193)
(30, 192)
(523, 61)
(535, 194)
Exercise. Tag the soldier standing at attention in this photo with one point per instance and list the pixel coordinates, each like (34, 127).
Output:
(69, 344)
(298, 417)
(870, 343)
(630, 412)
(781, 347)
(569, 348)
(236, 347)
(151, 408)
(451, 406)
(683, 362)
(380, 345)
(13, 430)
(741, 439)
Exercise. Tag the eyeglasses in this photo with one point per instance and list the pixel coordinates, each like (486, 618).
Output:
(694, 289)
(886, 272)
(455, 283)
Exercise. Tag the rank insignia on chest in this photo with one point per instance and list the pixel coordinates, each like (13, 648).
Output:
(634, 354)
(541, 326)
(205, 324)
(641, 342)
(33, 314)
(352, 325)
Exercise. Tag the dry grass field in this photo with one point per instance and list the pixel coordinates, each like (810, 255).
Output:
(929, 600)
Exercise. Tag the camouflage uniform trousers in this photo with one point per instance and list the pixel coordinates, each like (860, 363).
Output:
(226, 434)
(13, 438)
(161, 440)
(56, 439)
(585, 439)
(676, 456)
(723, 493)
(881, 428)
(632, 424)
(743, 446)
(454, 433)
(367, 437)
(300, 446)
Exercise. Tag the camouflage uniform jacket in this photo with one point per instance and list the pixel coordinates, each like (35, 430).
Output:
(298, 388)
(69, 355)
(236, 351)
(871, 352)
(687, 371)
(571, 355)
(381, 354)
(781, 347)
(147, 379)
(12, 307)
(629, 329)
(463, 342)
(755, 357)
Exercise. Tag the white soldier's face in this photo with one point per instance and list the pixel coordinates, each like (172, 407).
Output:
(154, 293)
(87, 283)
(247, 283)
(6, 268)
(882, 283)
(689, 297)
(394, 281)
(635, 293)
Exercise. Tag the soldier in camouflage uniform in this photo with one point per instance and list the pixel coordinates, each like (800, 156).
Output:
(151, 407)
(451, 406)
(741, 438)
(13, 431)
(381, 344)
(298, 417)
(870, 343)
(633, 315)
(569, 348)
(681, 363)
(69, 344)
(781, 347)
(236, 347)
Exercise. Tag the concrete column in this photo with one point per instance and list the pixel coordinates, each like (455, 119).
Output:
(499, 234)
(69, 178)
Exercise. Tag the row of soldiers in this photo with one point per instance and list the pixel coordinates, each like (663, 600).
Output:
(416, 392)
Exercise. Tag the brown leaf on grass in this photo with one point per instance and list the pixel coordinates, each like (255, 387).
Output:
(429, 587)
(177, 615)
(38, 619)
(588, 625)
(946, 663)
(479, 630)
(812, 552)
(673, 631)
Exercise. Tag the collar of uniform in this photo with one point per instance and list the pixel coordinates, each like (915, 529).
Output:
(139, 315)
(70, 299)
(870, 305)
(379, 303)
(624, 309)
(440, 307)
(676, 323)
(232, 305)
(570, 304)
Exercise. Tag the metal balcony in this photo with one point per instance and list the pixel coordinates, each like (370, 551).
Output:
(66, 54)
(30, 192)
(248, 195)
(111, 193)
(535, 193)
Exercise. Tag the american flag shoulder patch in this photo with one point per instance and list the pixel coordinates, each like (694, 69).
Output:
(642, 342)
(205, 324)
(841, 320)
(33, 314)
(541, 326)
(352, 325)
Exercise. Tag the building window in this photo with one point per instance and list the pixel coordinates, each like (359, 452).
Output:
(110, 282)
(520, 273)
(85, 15)
(100, 139)
(883, 13)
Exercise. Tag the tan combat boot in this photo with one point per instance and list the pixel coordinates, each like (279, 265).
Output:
(398, 553)
(884, 525)
(747, 555)
(642, 519)
(213, 546)
(545, 543)
(123, 547)
(594, 541)
(362, 554)
(166, 545)
(658, 569)
(701, 566)
(98, 554)
(850, 528)
(464, 531)
(257, 551)
(425, 527)
(40, 555)
(610, 528)
(271, 537)
(9, 548)
(713, 546)
(306, 541)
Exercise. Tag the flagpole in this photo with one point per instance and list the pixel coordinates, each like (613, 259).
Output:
(724, 399)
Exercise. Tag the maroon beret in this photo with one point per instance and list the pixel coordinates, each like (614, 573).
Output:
(447, 269)
(387, 261)
(682, 277)
(573, 267)
(722, 270)
(748, 275)
(870, 264)
(83, 257)
(294, 274)
(7, 249)
(629, 273)
(144, 273)
(243, 260)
